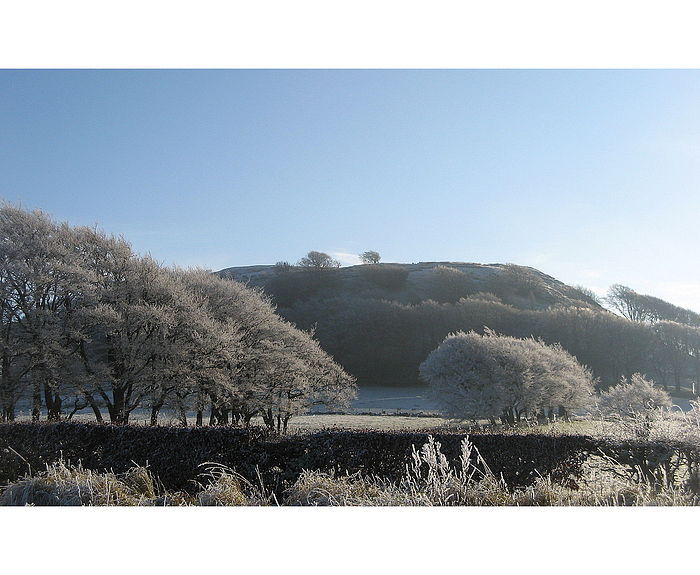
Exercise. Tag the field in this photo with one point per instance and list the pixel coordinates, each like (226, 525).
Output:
(380, 408)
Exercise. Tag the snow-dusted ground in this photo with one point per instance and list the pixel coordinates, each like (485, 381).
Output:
(400, 401)
(407, 399)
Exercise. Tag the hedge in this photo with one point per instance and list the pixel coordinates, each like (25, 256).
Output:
(175, 455)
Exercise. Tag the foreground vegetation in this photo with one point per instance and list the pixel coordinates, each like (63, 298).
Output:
(650, 458)
(429, 481)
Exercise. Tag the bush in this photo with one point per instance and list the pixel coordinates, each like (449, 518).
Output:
(474, 376)
(387, 276)
(632, 398)
(430, 478)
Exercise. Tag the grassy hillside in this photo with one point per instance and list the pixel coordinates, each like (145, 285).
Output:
(444, 282)
(380, 321)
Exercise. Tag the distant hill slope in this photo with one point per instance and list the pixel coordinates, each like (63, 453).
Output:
(380, 321)
(444, 282)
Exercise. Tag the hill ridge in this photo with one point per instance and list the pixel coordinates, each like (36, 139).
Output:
(521, 286)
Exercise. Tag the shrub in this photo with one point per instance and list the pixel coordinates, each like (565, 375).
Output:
(474, 376)
(632, 398)
(72, 485)
(386, 276)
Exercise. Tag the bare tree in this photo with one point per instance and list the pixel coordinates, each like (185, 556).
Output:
(628, 303)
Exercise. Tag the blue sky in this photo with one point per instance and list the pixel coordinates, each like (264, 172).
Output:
(588, 175)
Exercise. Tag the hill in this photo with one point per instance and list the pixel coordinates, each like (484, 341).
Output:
(380, 321)
(444, 282)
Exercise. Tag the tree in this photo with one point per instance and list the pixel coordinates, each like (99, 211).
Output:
(318, 261)
(672, 354)
(265, 366)
(83, 317)
(282, 267)
(370, 257)
(632, 397)
(318, 268)
(42, 287)
(141, 324)
(475, 376)
(646, 308)
(626, 301)
(299, 374)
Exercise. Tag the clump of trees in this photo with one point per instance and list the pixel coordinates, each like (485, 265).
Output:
(87, 323)
(315, 261)
(488, 376)
(649, 309)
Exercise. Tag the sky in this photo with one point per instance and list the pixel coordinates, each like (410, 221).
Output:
(590, 176)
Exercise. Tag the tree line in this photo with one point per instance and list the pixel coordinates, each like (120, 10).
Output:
(87, 324)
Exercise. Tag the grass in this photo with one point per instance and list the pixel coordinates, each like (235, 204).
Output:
(429, 481)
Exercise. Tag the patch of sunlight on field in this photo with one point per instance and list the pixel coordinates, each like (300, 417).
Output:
(377, 422)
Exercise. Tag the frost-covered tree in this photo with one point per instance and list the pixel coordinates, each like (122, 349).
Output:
(245, 321)
(318, 261)
(474, 376)
(370, 257)
(84, 319)
(273, 369)
(140, 326)
(42, 289)
(632, 397)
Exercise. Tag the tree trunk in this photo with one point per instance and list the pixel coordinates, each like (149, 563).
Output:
(116, 409)
(53, 403)
(95, 408)
(269, 419)
(155, 410)
(6, 390)
(508, 417)
(563, 414)
(36, 402)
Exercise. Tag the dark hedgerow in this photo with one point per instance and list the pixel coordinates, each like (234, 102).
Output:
(175, 455)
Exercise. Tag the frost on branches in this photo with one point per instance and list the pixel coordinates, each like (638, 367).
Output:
(492, 376)
(85, 323)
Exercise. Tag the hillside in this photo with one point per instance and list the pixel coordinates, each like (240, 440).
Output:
(444, 282)
(380, 321)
